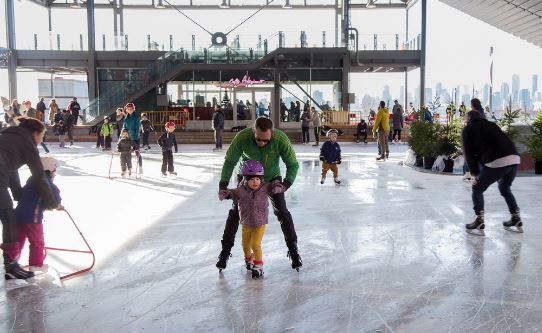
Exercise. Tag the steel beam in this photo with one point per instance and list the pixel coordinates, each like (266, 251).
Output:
(12, 46)
(91, 75)
(423, 50)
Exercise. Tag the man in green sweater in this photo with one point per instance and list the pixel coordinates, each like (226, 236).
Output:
(264, 144)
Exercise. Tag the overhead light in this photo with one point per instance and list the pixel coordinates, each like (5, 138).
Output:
(371, 4)
(224, 4)
(75, 4)
(287, 5)
(160, 4)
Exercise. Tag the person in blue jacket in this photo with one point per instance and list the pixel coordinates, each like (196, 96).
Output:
(132, 123)
(330, 154)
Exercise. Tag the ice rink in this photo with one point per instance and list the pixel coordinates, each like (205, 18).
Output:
(384, 252)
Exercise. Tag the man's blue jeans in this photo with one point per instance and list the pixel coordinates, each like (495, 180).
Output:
(504, 176)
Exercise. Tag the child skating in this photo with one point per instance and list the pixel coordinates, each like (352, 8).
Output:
(61, 131)
(146, 129)
(252, 198)
(105, 134)
(29, 215)
(330, 154)
(124, 147)
(167, 142)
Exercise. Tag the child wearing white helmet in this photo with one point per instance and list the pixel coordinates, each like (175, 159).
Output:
(29, 215)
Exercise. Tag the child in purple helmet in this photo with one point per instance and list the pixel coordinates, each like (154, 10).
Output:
(252, 198)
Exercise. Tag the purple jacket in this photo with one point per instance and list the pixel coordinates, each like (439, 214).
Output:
(254, 204)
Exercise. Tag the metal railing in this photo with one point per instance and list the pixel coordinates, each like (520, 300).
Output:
(158, 119)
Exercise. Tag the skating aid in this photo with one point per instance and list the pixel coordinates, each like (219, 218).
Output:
(89, 251)
(111, 165)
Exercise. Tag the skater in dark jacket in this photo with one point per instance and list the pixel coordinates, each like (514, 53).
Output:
(330, 154)
(146, 129)
(124, 147)
(361, 130)
(167, 142)
(491, 157)
(17, 147)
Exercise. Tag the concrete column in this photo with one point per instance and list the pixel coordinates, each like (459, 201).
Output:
(275, 105)
(423, 52)
(345, 86)
(12, 60)
(91, 75)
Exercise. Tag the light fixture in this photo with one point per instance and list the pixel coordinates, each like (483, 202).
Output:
(371, 4)
(224, 4)
(287, 5)
(160, 4)
(75, 4)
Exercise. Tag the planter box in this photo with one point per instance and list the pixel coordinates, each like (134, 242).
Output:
(538, 167)
(419, 161)
(448, 165)
(428, 162)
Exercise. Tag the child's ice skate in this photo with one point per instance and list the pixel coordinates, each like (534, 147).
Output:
(129, 172)
(164, 175)
(172, 173)
(477, 227)
(123, 174)
(249, 263)
(322, 180)
(514, 224)
(337, 180)
(257, 271)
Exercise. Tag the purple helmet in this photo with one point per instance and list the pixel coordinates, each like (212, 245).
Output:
(252, 168)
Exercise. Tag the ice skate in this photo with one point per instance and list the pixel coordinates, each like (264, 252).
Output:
(164, 175)
(123, 174)
(322, 180)
(249, 263)
(514, 224)
(14, 271)
(295, 258)
(173, 173)
(337, 180)
(129, 172)
(257, 271)
(222, 261)
(381, 158)
(477, 227)
(316, 145)
(467, 176)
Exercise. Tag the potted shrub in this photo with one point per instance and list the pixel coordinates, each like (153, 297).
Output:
(418, 139)
(430, 145)
(449, 140)
(534, 143)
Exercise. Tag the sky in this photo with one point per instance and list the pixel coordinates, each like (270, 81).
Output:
(457, 54)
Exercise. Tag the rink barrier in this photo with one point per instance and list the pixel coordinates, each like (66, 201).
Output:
(89, 251)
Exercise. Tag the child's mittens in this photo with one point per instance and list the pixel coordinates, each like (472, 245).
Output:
(322, 158)
(339, 161)
(277, 187)
(223, 194)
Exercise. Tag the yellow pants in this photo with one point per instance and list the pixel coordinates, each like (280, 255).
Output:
(252, 242)
(330, 166)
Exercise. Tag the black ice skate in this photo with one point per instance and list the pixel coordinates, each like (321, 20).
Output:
(223, 258)
(14, 271)
(477, 227)
(173, 173)
(322, 180)
(337, 181)
(295, 258)
(249, 263)
(381, 158)
(257, 271)
(514, 224)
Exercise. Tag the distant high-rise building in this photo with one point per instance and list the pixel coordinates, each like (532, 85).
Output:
(466, 100)
(386, 95)
(485, 94)
(515, 87)
(525, 99)
(497, 101)
(535, 85)
(505, 91)
(402, 95)
(318, 96)
(428, 95)
(438, 89)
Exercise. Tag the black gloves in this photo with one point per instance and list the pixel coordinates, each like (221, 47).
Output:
(222, 186)
(286, 184)
(339, 161)
(322, 159)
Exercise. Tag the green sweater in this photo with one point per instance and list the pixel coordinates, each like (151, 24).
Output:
(244, 147)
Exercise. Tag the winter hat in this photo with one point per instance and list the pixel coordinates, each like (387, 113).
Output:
(49, 163)
(129, 105)
(331, 131)
(170, 124)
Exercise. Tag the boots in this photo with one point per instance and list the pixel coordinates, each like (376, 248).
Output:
(293, 255)
(14, 271)
(477, 227)
(249, 263)
(322, 180)
(257, 271)
(514, 224)
(224, 256)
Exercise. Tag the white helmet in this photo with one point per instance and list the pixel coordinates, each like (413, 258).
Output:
(49, 163)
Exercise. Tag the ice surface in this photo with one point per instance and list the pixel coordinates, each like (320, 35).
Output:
(384, 252)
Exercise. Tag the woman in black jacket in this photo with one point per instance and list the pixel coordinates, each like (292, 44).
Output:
(18, 146)
(491, 157)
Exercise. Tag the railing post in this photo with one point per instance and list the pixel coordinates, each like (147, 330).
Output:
(126, 42)
(281, 39)
(323, 39)
(81, 41)
(103, 42)
(396, 42)
(251, 54)
(375, 45)
(170, 42)
(35, 41)
(58, 41)
(148, 42)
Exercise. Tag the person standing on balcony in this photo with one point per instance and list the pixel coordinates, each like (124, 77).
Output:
(132, 123)
(218, 126)
(317, 126)
(297, 111)
(398, 120)
(381, 128)
(74, 108)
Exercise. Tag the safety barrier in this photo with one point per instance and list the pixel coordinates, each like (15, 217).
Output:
(159, 118)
